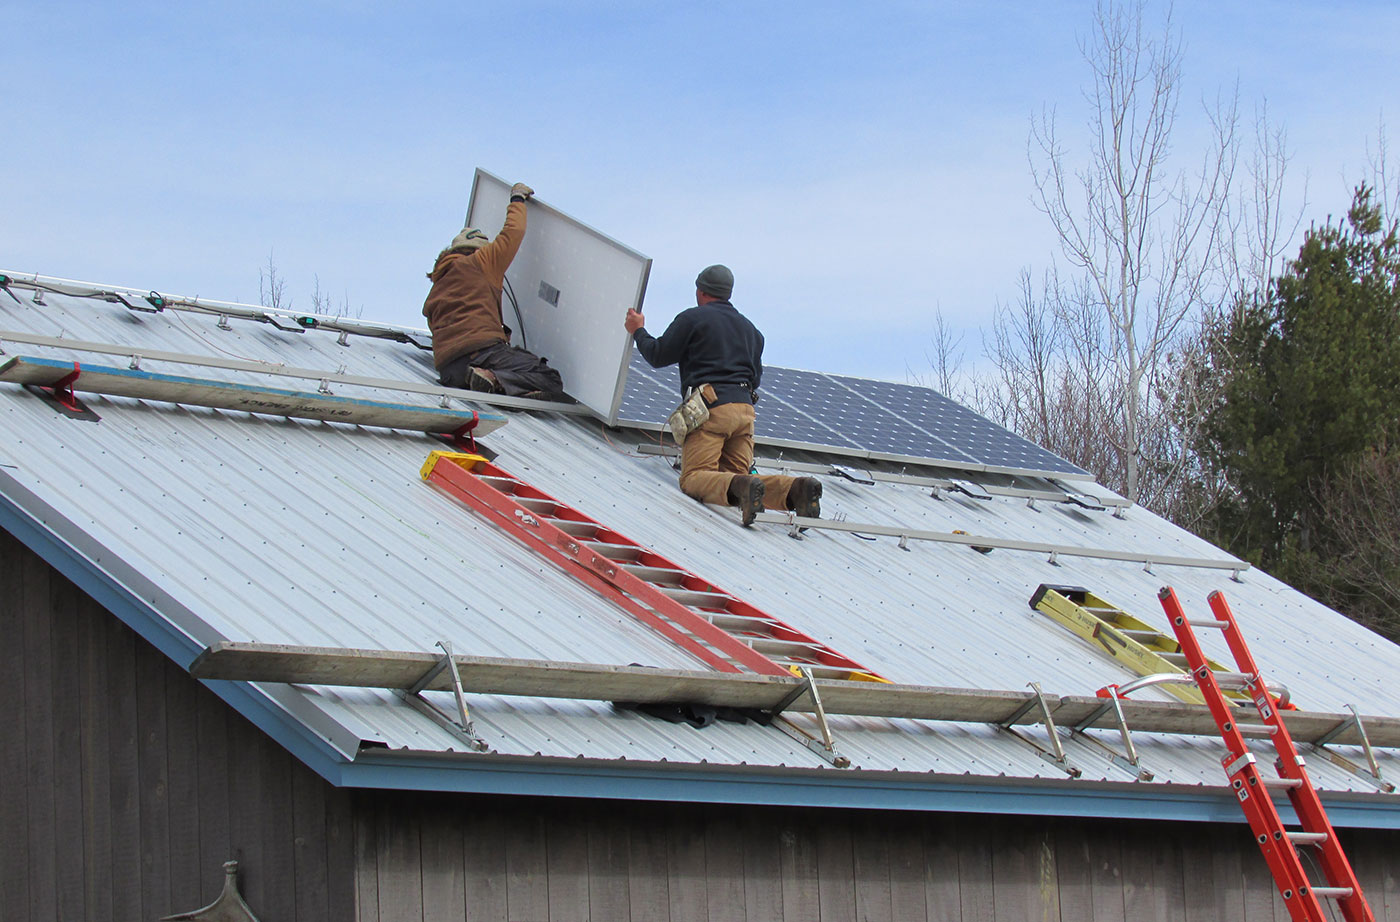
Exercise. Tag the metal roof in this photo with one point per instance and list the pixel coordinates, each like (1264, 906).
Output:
(198, 525)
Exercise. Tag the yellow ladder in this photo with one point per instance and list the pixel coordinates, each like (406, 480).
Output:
(1136, 644)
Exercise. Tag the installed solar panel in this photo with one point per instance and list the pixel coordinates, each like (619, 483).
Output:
(816, 397)
(969, 433)
(856, 416)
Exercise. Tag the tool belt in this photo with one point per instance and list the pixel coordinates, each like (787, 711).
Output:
(692, 412)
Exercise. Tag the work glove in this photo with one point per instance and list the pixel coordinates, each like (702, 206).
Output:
(520, 192)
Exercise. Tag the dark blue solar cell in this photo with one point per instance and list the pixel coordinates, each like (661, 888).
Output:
(834, 408)
(834, 411)
(972, 434)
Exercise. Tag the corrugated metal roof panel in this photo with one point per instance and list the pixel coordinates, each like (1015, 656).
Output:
(323, 534)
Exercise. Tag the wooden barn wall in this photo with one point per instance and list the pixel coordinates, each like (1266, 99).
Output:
(125, 784)
(436, 857)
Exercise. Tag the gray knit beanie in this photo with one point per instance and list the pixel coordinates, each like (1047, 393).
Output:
(717, 281)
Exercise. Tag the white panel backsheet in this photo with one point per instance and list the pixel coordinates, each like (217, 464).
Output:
(574, 286)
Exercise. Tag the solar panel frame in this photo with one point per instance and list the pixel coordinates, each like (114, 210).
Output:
(963, 430)
(857, 417)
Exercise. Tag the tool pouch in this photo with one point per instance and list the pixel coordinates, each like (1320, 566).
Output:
(692, 412)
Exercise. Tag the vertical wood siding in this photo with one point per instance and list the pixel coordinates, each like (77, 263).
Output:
(125, 784)
(524, 859)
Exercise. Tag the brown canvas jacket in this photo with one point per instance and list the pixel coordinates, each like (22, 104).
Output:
(464, 305)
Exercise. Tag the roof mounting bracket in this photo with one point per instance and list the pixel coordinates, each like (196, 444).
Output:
(462, 722)
(968, 488)
(1353, 721)
(840, 470)
(140, 308)
(1057, 750)
(223, 323)
(1083, 500)
(826, 746)
(60, 396)
(1131, 762)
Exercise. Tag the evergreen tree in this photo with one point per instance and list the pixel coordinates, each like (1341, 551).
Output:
(1306, 384)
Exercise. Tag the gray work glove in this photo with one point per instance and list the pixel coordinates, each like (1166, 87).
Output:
(520, 192)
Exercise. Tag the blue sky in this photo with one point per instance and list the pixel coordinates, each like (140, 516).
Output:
(857, 165)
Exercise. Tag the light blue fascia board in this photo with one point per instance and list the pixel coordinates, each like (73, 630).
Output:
(824, 789)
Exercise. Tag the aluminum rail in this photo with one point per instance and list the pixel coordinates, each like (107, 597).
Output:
(196, 304)
(1011, 544)
(940, 483)
(288, 371)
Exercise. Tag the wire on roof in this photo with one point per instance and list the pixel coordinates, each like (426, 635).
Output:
(510, 293)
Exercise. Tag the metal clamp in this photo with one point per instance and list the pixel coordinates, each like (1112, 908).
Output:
(462, 723)
(1057, 752)
(826, 746)
(1113, 703)
(1354, 721)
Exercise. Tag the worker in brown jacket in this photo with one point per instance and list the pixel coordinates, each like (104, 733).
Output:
(471, 344)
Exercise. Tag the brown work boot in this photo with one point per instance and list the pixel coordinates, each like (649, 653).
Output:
(747, 493)
(482, 379)
(805, 497)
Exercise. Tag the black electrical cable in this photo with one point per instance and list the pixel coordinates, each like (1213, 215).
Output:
(519, 320)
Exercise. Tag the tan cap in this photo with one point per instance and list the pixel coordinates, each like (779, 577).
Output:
(471, 238)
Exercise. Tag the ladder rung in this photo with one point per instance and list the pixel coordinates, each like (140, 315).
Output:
(696, 598)
(1332, 893)
(1282, 782)
(1102, 611)
(1139, 634)
(1222, 625)
(655, 575)
(1307, 838)
(577, 529)
(819, 671)
(542, 506)
(505, 485)
(614, 551)
(769, 645)
(1257, 731)
(1176, 658)
(731, 622)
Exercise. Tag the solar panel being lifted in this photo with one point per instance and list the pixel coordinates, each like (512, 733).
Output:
(860, 417)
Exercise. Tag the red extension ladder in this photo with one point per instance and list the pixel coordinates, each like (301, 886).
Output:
(1279, 845)
(711, 624)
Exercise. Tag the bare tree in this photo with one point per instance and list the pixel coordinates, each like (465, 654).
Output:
(272, 287)
(944, 357)
(1141, 237)
(1361, 507)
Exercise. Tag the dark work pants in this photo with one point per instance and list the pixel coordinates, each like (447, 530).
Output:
(517, 371)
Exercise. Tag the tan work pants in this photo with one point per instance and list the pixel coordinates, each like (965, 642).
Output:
(721, 448)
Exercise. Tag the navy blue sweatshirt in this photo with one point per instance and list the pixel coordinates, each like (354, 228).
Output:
(714, 344)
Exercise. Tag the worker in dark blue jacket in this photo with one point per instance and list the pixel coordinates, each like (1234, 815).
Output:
(718, 346)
